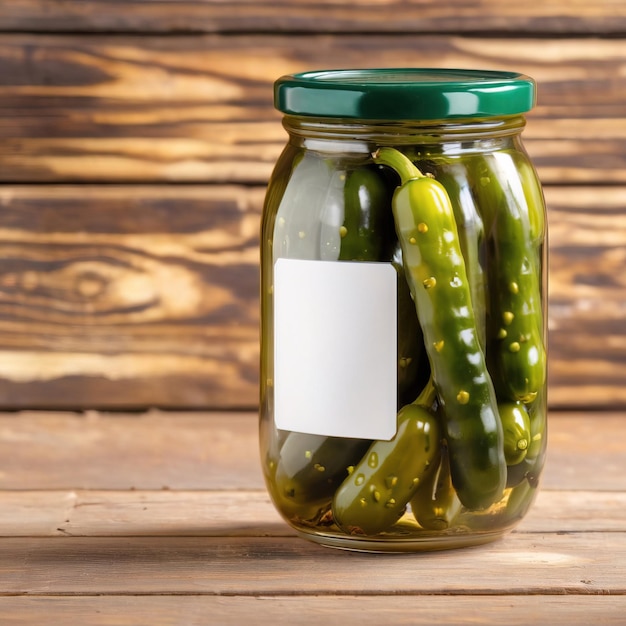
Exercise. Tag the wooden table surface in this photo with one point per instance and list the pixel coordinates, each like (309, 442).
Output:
(162, 518)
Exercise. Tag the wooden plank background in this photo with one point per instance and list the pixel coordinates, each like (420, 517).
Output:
(136, 139)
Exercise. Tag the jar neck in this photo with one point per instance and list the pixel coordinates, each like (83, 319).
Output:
(464, 135)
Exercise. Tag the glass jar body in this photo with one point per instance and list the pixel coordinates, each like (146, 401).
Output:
(330, 208)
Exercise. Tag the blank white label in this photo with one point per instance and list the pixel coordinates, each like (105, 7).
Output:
(335, 354)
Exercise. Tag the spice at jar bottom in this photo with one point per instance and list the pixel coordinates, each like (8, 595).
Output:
(403, 309)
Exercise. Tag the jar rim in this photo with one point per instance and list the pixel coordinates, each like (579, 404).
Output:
(405, 93)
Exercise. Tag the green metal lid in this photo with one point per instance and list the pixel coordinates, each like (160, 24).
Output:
(404, 94)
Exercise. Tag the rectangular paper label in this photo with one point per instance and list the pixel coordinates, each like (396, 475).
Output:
(335, 354)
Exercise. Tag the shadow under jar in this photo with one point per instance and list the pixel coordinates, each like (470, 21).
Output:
(403, 279)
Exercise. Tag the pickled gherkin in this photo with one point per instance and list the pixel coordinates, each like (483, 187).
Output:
(516, 316)
(311, 468)
(435, 504)
(375, 494)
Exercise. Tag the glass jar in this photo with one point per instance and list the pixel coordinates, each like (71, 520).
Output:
(403, 280)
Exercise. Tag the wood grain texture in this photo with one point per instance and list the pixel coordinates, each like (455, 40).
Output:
(244, 513)
(126, 108)
(222, 556)
(573, 16)
(145, 296)
(240, 513)
(133, 296)
(219, 451)
(587, 296)
(153, 450)
(521, 563)
(137, 296)
(358, 610)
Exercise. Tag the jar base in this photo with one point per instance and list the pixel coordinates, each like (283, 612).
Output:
(429, 543)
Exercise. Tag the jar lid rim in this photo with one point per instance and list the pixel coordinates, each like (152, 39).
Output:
(404, 93)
